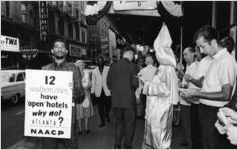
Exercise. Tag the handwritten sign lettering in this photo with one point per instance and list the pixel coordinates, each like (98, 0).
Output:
(48, 106)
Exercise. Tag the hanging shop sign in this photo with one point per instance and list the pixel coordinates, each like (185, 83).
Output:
(48, 106)
(43, 13)
(134, 5)
(29, 53)
(74, 50)
(9, 43)
(83, 51)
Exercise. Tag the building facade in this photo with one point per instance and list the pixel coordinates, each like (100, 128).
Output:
(19, 20)
(103, 37)
(67, 20)
(29, 21)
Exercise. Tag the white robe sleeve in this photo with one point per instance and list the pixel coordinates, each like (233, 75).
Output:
(156, 88)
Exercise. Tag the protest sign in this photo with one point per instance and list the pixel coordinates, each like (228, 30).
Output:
(48, 105)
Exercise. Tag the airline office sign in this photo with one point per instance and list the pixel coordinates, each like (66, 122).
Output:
(9, 43)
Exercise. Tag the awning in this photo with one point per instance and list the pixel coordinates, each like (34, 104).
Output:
(144, 8)
(139, 21)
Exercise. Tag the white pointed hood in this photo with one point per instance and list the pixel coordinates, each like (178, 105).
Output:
(162, 46)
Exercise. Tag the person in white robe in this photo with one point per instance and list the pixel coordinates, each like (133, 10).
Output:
(162, 94)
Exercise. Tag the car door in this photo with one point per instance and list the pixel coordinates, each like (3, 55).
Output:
(8, 89)
(20, 83)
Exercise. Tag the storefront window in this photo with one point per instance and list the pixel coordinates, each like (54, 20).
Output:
(23, 13)
(70, 30)
(77, 14)
(52, 23)
(61, 26)
(83, 36)
(7, 8)
(77, 31)
(10, 60)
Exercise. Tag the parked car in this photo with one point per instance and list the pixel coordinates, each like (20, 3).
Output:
(12, 85)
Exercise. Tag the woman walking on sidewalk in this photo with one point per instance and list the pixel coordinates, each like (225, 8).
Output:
(85, 109)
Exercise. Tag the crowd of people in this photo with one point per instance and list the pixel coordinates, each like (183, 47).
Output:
(205, 91)
(210, 84)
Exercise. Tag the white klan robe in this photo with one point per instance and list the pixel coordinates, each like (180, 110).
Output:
(162, 94)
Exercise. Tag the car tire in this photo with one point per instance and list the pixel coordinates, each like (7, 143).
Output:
(15, 99)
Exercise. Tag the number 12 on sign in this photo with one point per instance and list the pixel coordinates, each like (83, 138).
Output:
(50, 80)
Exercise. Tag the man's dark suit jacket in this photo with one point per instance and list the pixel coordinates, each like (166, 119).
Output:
(122, 82)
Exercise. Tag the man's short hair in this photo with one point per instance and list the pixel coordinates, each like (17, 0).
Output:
(101, 57)
(227, 42)
(192, 50)
(149, 59)
(207, 32)
(59, 40)
(128, 48)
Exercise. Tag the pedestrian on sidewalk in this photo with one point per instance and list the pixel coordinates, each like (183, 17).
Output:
(194, 79)
(147, 73)
(85, 109)
(217, 86)
(101, 92)
(122, 82)
(59, 53)
(162, 94)
(185, 113)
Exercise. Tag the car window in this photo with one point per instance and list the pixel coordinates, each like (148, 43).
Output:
(20, 77)
(12, 78)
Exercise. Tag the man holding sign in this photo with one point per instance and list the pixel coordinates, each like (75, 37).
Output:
(59, 52)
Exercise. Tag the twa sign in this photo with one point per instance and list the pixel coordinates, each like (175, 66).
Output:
(9, 43)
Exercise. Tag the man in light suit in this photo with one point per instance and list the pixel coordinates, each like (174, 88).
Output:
(122, 82)
(101, 92)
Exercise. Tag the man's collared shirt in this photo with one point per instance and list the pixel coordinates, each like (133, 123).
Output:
(191, 70)
(148, 72)
(222, 71)
(203, 67)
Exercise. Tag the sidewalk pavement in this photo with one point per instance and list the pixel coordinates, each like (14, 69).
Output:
(103, 138)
